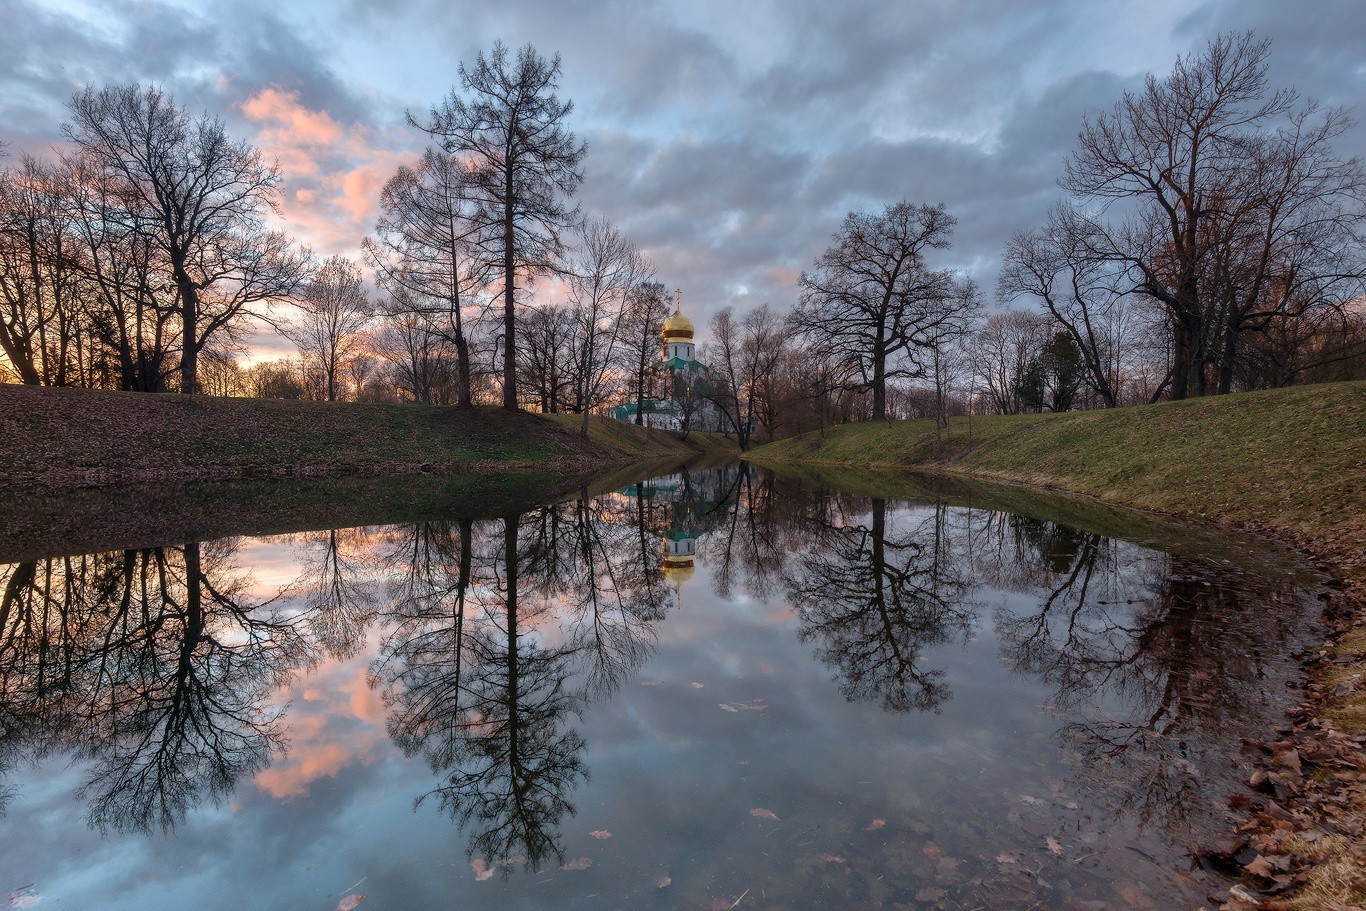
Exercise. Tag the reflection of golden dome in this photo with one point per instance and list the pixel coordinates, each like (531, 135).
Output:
(678, 569)
(678, 326)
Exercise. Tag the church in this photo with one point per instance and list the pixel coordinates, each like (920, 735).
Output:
(677, 403)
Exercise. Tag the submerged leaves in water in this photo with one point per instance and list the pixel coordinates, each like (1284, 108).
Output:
(350, 902)
(875, 825)
(578, 863)
(764, 814)
(482, 870)
(600, 833)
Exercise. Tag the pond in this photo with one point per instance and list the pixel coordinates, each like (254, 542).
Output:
(712, 689)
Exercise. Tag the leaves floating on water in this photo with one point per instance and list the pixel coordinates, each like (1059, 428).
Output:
(600, 833)
(482, 871)
(346, 904)
(833, 859)
(696, 685)
(24, 897)
(664, 881)
(1053, 845)
(875, 825)
(764, 814)
(578, 863)
(728, 708)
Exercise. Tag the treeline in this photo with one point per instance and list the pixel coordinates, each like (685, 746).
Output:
(1211, 242)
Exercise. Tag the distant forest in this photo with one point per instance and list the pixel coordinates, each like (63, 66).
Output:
(1210, 241)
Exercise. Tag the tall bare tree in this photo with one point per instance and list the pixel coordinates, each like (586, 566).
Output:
(641, 337)
(426, 242)
(207, 196)
(1236, 206)
(509, 129)
(334, 311)
(744, 355)
(605, 272)
(873, 299)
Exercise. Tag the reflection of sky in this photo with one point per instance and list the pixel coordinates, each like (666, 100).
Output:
(675, 779)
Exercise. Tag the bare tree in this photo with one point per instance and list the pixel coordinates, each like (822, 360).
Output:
(333, 313)
(39, 274)
(873, 299)
(426, 243)
(510, 131)
(745, 355)
(647, 307)
(604, 274)
(1236, 206)
(207, 196)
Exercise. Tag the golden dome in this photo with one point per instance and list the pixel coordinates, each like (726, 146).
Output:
(677, 326)
(678, 569)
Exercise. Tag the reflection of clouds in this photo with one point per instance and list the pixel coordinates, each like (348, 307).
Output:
(334, 720)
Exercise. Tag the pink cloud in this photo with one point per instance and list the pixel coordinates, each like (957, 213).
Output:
(333, 170)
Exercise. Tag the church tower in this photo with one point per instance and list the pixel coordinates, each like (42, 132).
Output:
(678, 334)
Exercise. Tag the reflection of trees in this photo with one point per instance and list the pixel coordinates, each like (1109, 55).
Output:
(874, 599)
(155, 665)
(339, 595)
(502, 631)
(1154, 658)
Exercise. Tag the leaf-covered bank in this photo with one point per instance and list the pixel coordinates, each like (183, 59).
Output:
(57, 436)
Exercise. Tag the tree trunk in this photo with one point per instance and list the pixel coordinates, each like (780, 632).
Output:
(509, 304)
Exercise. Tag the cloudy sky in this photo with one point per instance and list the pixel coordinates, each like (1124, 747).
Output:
(726, 138)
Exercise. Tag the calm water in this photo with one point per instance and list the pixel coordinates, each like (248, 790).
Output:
(710, 688)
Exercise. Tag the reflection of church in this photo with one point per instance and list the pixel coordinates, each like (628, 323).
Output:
(682, 508)
(678, 376)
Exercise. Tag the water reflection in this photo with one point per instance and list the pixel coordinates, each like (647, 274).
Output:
(153, 666)
(493, 643)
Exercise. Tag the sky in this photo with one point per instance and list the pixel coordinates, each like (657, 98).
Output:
(727, 139)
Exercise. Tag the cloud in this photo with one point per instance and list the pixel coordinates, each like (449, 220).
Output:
(333, 171)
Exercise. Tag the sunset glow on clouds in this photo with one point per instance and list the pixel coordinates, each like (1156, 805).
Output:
(334, 720)
(727, 140)
(333, 172)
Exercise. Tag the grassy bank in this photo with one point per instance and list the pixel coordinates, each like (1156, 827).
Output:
(81, 436)
(1290, 463)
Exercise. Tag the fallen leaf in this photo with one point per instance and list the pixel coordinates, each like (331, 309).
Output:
(932, 850)
(578, 863)
(24, 897)
(482, 871)
(729, 708)
(1053, 845)
(930, 895)
(696, 685)
(1007, 859)
(664, 881)
(1032, 801)
(832, 859)
(875, 825)
(764, 814)
(601, 833)
(346, 904)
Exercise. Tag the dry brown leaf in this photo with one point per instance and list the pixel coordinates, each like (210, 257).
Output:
(1053, 845)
